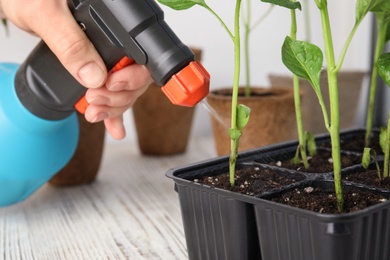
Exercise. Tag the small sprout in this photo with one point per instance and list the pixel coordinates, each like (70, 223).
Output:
(366, 159)
(311, 144)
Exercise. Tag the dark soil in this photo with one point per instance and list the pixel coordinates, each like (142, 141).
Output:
(368, 177)
(250, 181)
(321, 163)
(324, 200)
(256, 181)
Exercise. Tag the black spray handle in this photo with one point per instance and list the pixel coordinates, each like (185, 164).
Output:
(132, 28)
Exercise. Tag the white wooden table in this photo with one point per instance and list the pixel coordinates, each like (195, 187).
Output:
(130, 212)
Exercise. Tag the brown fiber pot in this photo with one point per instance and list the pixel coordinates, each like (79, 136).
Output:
(84, 165)
(272, 118)
(162, 128)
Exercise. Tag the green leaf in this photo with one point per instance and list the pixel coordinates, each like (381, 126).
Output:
(285, 3)
(304, 60)
(383, 138)
(311, 143)
(384, 67)
(243, 114)
(365, 6)
(380, 6)
(181, 4)
(234, 134)
(362, 7)
(383, 18)
(387, 38)
(366, 158)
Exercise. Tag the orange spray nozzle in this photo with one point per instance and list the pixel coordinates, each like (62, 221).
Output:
(185, 88)
(188, 86)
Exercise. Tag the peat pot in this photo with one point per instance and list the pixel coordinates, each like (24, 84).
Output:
(84, 166)
(272, 117)
(162, 127)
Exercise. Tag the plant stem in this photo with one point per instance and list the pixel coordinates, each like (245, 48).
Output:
(236, 81)
(220, 20)
(346, 46)
(247, 27)
(298, 115)
(387, 150)
(334, 128)
(262, 18)
(380, 43)
(297, 98)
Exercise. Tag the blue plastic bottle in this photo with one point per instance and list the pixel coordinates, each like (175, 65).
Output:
(32, 149)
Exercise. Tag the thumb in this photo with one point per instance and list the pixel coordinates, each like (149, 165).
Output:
(69, 43)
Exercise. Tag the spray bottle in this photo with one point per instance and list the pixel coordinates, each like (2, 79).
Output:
(39, 98)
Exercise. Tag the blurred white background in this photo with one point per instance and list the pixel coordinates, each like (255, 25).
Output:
(198, 28)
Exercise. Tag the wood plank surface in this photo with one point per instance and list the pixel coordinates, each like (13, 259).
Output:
(130, 212)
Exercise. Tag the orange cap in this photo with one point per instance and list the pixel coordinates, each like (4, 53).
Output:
(188, 86)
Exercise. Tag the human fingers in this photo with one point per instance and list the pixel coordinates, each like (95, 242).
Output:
(97, 113)
(103, 97)
(131, 77)
(102, 101)
(54, 23)
(115, 127)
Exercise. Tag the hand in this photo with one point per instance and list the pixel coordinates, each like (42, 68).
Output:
(54, 23)
(121, 90)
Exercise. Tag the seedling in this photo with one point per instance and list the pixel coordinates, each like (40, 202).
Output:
(369, 153)
(305, 60)
(383, 66)
(383, 36)
(306, 139)
(239, 113)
